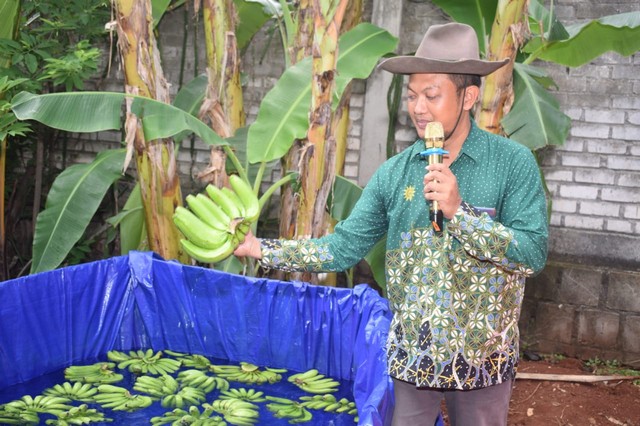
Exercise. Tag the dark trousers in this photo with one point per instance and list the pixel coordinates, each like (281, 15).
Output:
(480, 407)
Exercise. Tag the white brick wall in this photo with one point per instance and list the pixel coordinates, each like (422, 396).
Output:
(597, 169)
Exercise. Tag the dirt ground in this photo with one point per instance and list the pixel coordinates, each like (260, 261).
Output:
(548, 403)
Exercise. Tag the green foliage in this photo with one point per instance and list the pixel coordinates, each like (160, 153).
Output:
(534, 119)
(283, 114)
(42, 50)
(73, 68)
(9, 126)
(71, 203)
(578, 44)
(610, 367)
(99, 111)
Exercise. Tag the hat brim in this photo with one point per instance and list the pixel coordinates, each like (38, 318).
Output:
(417, 65)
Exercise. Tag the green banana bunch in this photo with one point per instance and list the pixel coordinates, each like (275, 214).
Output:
(184, 396)
(313, 382)
(199, 362)
(216, 224)
(168, 390)
(236, 411)
(19, 418)
(200, 380)
(100, 372)
(328, 402)
(80, 415)
(287, 408)
(246, 373)
(79, 391)
(120, 399)
(40, 404)
(157, 387)
(250, 395)
(143, 362)
(193, 417)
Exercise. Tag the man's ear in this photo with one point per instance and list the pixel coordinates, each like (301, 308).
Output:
(471, 94)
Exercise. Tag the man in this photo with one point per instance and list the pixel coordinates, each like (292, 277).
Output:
(456, 294)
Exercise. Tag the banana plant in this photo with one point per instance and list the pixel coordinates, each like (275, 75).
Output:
(535, 118)
(9, 16)
(287, 103)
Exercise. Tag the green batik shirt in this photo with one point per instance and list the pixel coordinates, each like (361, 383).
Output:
(455, 295)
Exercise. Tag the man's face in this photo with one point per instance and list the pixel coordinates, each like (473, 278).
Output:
(433, 97)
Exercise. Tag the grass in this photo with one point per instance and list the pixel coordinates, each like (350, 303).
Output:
(612, 367)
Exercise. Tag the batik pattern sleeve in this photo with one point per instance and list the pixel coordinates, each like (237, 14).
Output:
(517, 239)
(347, 245)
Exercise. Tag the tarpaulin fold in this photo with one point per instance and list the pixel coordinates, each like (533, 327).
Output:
(54, 319)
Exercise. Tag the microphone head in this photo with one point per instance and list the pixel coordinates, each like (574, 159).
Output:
(434, 135)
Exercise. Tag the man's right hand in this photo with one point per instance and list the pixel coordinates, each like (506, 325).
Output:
(249, 247)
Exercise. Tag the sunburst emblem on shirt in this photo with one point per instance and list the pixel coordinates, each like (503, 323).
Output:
(409, 192)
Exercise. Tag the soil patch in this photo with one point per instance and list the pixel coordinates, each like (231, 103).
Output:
(550, 402)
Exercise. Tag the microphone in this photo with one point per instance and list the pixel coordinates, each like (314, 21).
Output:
(434, 144)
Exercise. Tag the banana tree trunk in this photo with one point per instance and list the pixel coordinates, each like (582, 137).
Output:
(507, 35)
(155, 160)
(353, 17)
(317, 164)
(300, 49)
(223, 107)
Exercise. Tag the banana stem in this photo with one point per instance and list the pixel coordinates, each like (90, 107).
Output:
(258, 181)
(236, 163)
(269, 192)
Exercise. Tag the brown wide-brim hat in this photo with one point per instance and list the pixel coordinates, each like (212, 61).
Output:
(448, 49)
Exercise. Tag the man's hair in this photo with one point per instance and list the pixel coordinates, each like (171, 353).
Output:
(463, 81)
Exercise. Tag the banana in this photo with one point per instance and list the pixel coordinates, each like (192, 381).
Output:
(117, 356)
(306, 417)
(197, 231)
(318, 390)
(210, 255)
(215, 212)
(235, 199)
(222, 200)
(208, 211)
(304, 376)
(247, 197)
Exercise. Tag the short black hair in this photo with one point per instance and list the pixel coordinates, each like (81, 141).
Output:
(463, 81)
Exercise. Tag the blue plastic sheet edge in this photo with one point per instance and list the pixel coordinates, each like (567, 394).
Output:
(54, 319)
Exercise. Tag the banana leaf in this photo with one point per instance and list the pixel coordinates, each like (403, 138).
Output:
(72, 201)
(8, 18)
(544, 23)
(283, 114)
(88, 112)
(158, 8)
(535, 119)
(618, 33)
(189, 99)
(343, 198)
(477, 13)
(252, 15)
(131, 220)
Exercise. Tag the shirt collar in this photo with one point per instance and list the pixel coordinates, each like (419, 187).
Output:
(473, 146)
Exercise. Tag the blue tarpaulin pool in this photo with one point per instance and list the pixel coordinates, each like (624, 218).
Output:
(54, 319)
